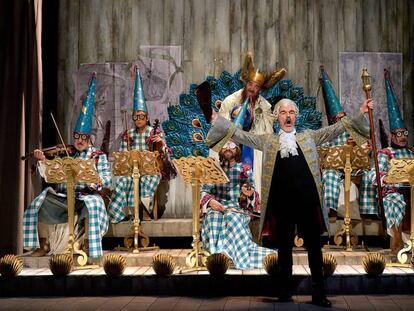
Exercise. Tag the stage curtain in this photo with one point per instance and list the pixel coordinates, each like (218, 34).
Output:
(20, 114)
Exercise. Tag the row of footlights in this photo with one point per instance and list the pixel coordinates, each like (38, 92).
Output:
(164, 264)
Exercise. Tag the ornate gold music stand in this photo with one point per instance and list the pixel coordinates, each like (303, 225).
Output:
(197, 171)
(136, 163)
(345, 158)
(402, 171)
(72, 171)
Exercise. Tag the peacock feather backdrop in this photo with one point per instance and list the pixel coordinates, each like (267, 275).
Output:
(187, 128)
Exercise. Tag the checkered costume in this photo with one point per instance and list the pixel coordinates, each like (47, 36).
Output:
(333, 178)
(393, 200)
(97, 216)
(124, 186)
(228, 232)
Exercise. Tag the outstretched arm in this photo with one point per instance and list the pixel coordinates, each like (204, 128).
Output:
(357, 127)
(222, 130)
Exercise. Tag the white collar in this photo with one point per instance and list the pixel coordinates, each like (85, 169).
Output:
(288, 144)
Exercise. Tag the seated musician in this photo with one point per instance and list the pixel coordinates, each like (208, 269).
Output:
(141, 137)
(333, 179)
(228, 209)
(50, 208)
(395, 196)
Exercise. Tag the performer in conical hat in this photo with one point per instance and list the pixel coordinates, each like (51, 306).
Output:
(50, 207)
(333, 179)
(140, 137)
(258, 118)
(395, 197)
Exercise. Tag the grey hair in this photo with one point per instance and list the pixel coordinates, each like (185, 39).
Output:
(280, 103)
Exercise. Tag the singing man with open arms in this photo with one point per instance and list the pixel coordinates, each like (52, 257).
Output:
(291, 184)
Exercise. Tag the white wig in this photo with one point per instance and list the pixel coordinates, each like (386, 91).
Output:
(280, 103)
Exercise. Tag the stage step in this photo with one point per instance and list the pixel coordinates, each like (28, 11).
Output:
(144, 258)
(155, 228)
(347, 279)
(182, 227)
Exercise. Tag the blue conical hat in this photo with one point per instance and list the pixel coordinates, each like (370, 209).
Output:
(332, 104)
(139, 98)
(394, 113)
(239, 120)
(84, 122)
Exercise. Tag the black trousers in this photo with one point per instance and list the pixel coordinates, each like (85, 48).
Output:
(310, 232)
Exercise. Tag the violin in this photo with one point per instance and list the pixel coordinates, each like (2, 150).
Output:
(156, 146)
(54, 151)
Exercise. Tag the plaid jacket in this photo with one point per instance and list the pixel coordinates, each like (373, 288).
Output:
(229, 195)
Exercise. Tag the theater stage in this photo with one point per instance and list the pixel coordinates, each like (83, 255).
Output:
(139, 278)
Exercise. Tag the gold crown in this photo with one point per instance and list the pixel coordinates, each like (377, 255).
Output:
(264, 80)
(257, 77)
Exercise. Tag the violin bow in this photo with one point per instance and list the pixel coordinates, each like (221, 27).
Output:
(60, 136)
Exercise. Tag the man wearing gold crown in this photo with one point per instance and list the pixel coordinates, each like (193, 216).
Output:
(258, 119)
(138, 138)
(291, 185)
(50, 207)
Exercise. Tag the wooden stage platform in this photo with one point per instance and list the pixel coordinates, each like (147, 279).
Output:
(140, 279)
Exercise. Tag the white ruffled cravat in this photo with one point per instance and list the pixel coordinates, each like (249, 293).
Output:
(288, 144)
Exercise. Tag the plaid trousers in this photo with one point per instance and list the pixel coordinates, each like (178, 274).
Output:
(229, 233)
(123, 196)
(97, 217)
(332, 180)
(394, 209)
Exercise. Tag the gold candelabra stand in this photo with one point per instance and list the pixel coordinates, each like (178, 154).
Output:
(136, 163)
(71, 171)
(402, 171)
(197, 171)
(345, 158)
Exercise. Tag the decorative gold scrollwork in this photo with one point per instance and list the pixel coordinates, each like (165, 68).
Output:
(399, 172)
(212, 172)
(124, 162)
(84, 170)
(335, 157)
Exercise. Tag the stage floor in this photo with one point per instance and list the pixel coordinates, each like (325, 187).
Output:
(139, 278)
(144, 258)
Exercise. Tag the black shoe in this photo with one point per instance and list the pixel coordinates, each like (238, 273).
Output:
(285, 296)
(321, 301)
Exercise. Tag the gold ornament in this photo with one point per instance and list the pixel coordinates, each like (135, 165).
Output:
(163, 264)
(329, 265)
(61, 264)
(217, 264)
(271, 264)
(11, 265)
(373, 263)
(264, 80)
(114, 264)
